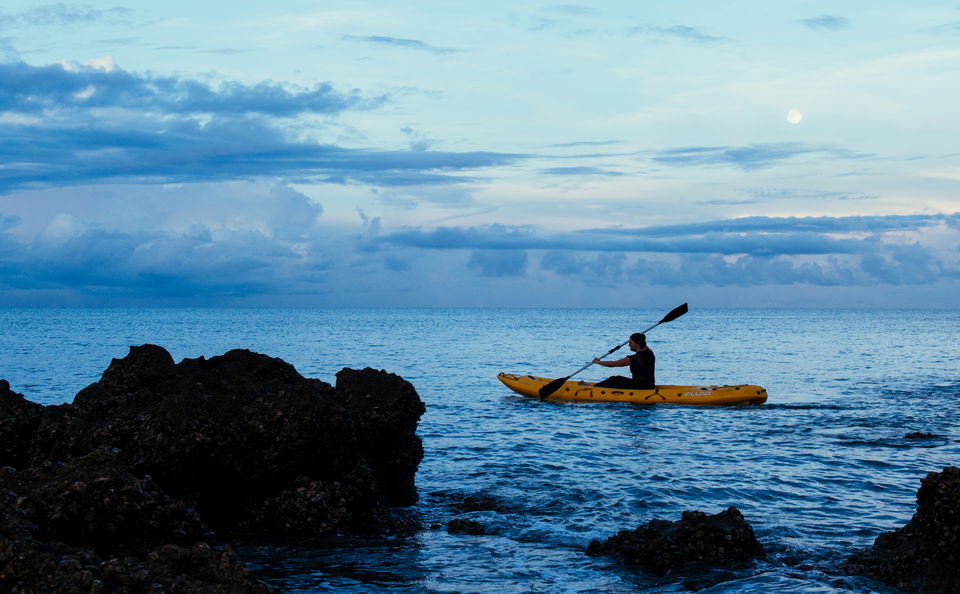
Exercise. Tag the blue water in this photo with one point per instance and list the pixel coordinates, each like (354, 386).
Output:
(819, 471)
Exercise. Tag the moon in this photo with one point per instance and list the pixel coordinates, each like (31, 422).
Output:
(794, 116)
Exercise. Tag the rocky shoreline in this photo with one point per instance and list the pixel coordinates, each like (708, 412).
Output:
(151, 476)
(923, 555)
(142, 483)
(721, 540)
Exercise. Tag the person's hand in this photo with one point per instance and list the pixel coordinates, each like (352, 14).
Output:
(595, 360)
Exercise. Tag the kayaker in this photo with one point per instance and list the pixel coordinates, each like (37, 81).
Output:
(642, 366)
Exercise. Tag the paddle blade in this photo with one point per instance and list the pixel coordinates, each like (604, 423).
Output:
(673, 315)
(552, 387)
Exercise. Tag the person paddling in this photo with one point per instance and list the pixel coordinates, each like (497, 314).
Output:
(642, 367)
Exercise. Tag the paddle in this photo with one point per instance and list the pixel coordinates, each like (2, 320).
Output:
(553, 386)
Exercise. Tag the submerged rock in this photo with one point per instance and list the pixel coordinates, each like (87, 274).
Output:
(723, 539)
(133, 475)
(923, 555)
(465, 526)
(466, 503)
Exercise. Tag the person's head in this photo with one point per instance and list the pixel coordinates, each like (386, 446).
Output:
(638, 339)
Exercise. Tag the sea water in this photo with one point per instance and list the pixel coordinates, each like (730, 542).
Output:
(819, 470)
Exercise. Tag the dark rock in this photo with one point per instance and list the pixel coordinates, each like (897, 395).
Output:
(90, 525)
(116, 491)
(465, 526)
(19, 419)
(96, 502)
(472, 503)
(243, 438)
(28, 566)
(923, 555)
(724, 539)
(387, 409)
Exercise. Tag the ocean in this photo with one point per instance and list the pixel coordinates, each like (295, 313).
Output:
(819, 470)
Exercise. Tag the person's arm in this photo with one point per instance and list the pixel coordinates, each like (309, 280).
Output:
(618, 363)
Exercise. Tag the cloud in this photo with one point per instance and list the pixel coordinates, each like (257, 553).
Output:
(8, 53)
(754, 156)
(720, 202)
(418, 142)
(8, 222)
(91, 124)
(827, 22)
(821, 225)
(747, 271)
(240, 242)
(396, 264)
(498, 264)
(206, 241)
(572, 9)
(91, 259)
(62, 14)
(909, 264)
(580, 171)
(447, 195)
(585, 143)
(174, 151)
(737, 238)
(889, 265)
(823, 251)
(414, 44)
(268, 207)
(236, 263)
(7, 243)
(497, 237)
(214, 243)
(604, 269)
(947, 28)
(678, 31)
(35, 89)
(795, 194)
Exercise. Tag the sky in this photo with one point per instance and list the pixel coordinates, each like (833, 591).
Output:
(358, 153)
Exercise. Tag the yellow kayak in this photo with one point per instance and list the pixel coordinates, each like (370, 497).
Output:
(528, 385)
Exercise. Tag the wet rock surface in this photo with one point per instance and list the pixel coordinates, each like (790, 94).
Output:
(133, 485)
(19, 419)
(722, 540)
(920, 435)
(91, 525)
(924, 555)
(472, 502)
(465, 526)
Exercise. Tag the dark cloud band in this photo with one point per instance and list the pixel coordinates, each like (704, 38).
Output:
(30, 89)
(119, 126)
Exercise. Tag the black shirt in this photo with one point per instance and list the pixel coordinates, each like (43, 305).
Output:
(642, 367)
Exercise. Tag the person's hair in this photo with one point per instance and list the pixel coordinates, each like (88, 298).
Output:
(639, 338)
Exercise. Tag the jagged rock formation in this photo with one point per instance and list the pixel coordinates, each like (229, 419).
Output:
(724, 539)
(121, 489)
(924, 555)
